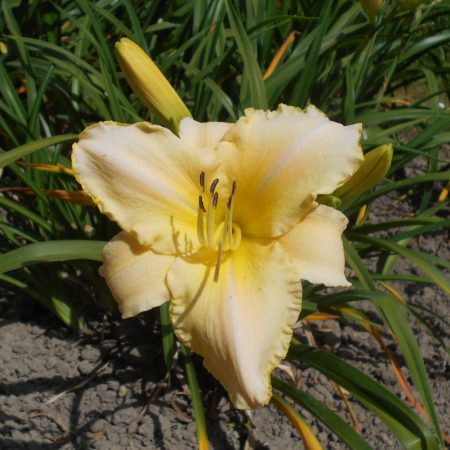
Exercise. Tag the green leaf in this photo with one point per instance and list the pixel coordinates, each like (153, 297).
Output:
(59, 305)
(421, 46)
(416, 257)
(302, 90)
(25, 212)
(258, 95)
(383, 190)
(395, 316)
(19, 152)
(50, 251)
(408, 427)
(355, 262)
(330, 419)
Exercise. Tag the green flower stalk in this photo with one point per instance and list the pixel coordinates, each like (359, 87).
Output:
(150, 85)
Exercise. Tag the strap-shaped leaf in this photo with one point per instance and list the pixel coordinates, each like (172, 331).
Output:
(408, 427)
(24, 150)
(330, 419)
(51, 251)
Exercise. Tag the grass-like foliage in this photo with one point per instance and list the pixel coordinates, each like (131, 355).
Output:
(58, 74)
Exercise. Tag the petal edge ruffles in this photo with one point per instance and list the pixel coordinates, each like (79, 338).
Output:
(282, 160)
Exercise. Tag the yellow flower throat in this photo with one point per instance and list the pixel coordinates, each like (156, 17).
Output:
(226, 235)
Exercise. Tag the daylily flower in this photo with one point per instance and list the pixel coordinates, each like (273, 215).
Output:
(222, 222)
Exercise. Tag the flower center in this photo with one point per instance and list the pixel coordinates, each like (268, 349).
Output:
(220, 237)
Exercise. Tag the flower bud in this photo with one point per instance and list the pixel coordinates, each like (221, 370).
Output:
(410, 4)
(372, 8)
(150, 85)
(373, 169)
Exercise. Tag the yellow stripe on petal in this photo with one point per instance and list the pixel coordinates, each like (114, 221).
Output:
(241, 324)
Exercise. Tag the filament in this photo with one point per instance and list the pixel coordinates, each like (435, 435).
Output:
(218, 263)
(200, 227)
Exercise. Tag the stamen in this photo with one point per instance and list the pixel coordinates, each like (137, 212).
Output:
(219, 261)
(213, 186)
(233, 190)
(202, 181)
(200, 227)
(201, 204)
(230, 205)
(210, 222)
(215, 199)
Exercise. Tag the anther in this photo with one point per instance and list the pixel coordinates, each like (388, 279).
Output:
(230, 198)
(201, 204)
(215, 199)
(233, 189)
(213, 186)
(202, 181)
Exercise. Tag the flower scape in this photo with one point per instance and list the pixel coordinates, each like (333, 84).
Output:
(222, 221)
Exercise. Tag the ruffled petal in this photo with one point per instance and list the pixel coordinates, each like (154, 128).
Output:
(135, 274)
(242, 324)
(144, 178)
(202, 134)
(281, 160)
(316, 245)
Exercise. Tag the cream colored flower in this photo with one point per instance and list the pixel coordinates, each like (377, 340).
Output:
(222, 222)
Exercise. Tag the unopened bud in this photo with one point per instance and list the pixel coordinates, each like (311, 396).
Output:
(372, 8)
(410, 4)
(150, 85)
(375, 166)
